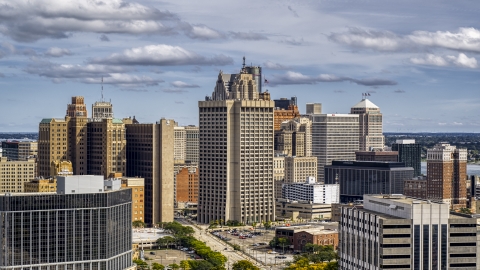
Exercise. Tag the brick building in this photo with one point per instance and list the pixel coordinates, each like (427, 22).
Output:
(299, 236)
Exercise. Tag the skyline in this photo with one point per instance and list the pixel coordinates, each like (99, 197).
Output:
(418, 61)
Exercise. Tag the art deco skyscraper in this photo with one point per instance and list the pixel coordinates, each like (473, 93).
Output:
(370, 125)
(447, 175)
(77, 134)
(236, 152)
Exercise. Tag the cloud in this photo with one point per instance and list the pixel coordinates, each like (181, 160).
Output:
(464, 39)
(294, 42)
(67, 71)
(179, 102)
(180, 84)
(271, 65)
(125, 80)
(2, 75)
(57, 52)
(293, 11)
(200, 31)
(461, 60)
(292, 78)
(28, 21)
(104, 37)
(162, 55)
(174, 91)
(338, 91)
(398, 91)
(442, 124)
(247, 36)
(457, 124)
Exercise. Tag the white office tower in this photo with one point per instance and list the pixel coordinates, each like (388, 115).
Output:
(180, 144)
(398, 232)
(370, 125)
(312, 192)
(334, 137)
(236, 153)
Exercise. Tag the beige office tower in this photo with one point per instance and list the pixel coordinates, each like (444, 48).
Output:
(290, 143)
(107, 147)
(236, 154)
(77, 134)
(102, 110)
(300, 125)
(314, 108)
(13, 174)
(52, 143)
(27, 149)
(334, 137)
(191, 146)
(150, 156)
(447, 175)
(297, 169)
(370, 125)
(179, 144)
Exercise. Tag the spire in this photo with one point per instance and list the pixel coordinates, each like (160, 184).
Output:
(244, 61)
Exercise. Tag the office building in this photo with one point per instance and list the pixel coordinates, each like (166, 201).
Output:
(40, 185)
(409, 153)
(282, 115)
(186, 185)
(415, 188)
(150, 156)
(294, 137)
(52, 143)
(137, 185)
(191, 144)
(312, 192)
(13, 174)
(370, 125)
(285, 103)
(334, 137)
(79, 227)
(236, 153)
(191, 169)
(299, 236)
(102, 110)
(19, 150)
(357, 178)
(447, 175)
(397, 232)
(301, 210)
(179, 144)
(297, 169)
(278, 174)
(313, 108)
(391, 156)
(77, 135)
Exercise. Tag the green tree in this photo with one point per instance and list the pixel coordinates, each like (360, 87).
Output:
(174, 266)
(141, 264)
(283, 242)
(166, 241)
(465, 210)
(254, 225)
(267, 225)
(185, 265)
(157, 266)
(244, 265)
(138, 224)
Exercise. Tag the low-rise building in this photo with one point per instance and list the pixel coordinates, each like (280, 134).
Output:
(13, 174)
(299, 236)
(295, 210)
(415, 188)
(41, 185)
(311, 191)
(137, 185)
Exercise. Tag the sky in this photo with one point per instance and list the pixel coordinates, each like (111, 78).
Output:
(417, 60)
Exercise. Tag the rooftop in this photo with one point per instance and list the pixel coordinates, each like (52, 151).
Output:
(365, 103)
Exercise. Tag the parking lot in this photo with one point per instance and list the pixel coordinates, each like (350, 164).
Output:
(166, 256)
(256, 246)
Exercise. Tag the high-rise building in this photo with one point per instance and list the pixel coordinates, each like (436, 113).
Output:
(20, 149)
(447, 175)
(80, 227)
(297, 169)
(334, 137)
(236, 153)
(78, 135)
(289, 139)
(52, 143)
(186, 185)
(13, 174)
(357, 178)
(282, 115)
(391, 156)
(313, 108)
(397, 232)
(278, 174)
(191, 145)
(180, 144)
(150, 156)
(102, 110)
(77, 108)
(409, 153)
(370, 125)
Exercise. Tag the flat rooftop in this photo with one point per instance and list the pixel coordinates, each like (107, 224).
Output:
(147, 235)
(401, 199)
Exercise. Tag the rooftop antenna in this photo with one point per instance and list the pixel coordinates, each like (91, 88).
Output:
(102, 88)
(244, 61)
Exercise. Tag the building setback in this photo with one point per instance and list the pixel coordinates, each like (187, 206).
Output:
(409, 153)
(370, 125)
(357, 178)
(150, 156)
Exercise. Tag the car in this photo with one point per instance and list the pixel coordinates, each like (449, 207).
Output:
(225, 249)
(184, 249)
(152, 253)
(191, 252)
(281, 257)
(272, 252)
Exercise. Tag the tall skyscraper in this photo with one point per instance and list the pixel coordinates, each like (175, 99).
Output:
(370, 125)
(191, 145)
(236, 153)
(334, 137)
(150, 156)
(409, 153)
(180, 144)
(102, 110)
(52, 143)
(294, 132)
(447, 175)
(78, 135)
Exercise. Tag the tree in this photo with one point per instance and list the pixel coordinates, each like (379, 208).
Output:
(174, 266)
(157, 266)
(185, 265)
(165, 241)
(254, 224)
(244, 265)
(267, 225)
(138, 224)
(283, 242)
(141, 264)
(465, 210)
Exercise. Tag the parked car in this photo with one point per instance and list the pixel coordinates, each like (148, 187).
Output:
(152, 253)
(281, 257)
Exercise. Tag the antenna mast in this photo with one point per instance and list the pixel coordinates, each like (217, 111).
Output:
(102, 88)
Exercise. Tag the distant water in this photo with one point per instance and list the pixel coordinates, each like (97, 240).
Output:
(472, 169)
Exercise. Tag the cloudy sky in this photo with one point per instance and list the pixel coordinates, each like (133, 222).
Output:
(418, 60)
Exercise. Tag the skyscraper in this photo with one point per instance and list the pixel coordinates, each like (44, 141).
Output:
(447, 175)
(52, 143)
(370, 125)
(78, 135)
(313, 108)
(409, 153)
(334, 137)
(236, 153)
(180, 144)
(150, 156)
(191, 144)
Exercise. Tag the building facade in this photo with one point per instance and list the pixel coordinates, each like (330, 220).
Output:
(311, 191)
(20, 150)
(137, 185)
(301, 210)
(191, 144)
(447, 175)
(180, 144)
(415, 188)
(13, 174)
(391, 156)
(52, 143)
(187, 185)
(357, 178)
(334, 137)
(150, 156)
(81, 230)
(313, 108)
(409, 153)
(297, 169)
(370, 125)
(397, 232)
(282, 115)
(299, 236)
(236, 139)
(40, 185)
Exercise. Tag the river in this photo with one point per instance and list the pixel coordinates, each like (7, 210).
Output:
(472, 169)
